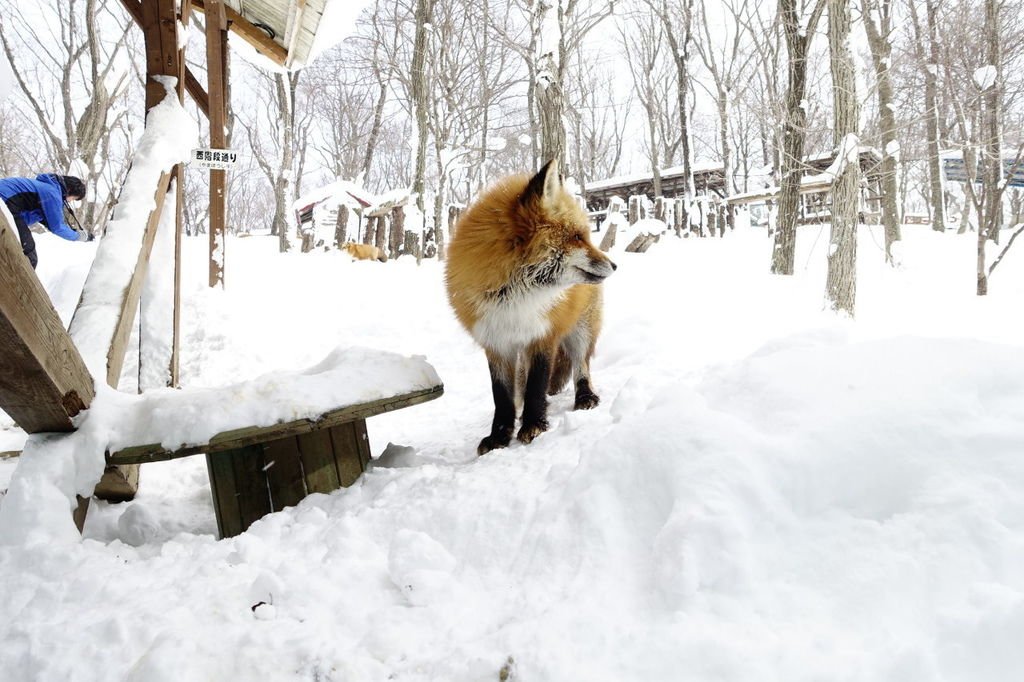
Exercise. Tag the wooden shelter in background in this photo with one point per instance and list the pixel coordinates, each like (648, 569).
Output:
(709, 181)
(44, 381)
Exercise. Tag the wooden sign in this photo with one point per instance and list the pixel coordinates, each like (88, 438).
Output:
(218, 159)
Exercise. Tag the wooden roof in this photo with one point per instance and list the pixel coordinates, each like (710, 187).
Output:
(281, 30)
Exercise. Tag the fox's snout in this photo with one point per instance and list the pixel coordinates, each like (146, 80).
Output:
(597, 267)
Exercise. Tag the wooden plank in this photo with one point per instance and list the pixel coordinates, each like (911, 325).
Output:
(43, 379)
(225, 493)
(130, 302)
(248, 436)
(216, 60)
(197, 92)
(179, 188)
(317, 454)
(285, 477)
(250, 33)
(362, 443)
(346, 453)
(252, 485)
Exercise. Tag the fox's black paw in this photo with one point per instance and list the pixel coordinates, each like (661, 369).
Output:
(530, 431)
(493, 442)
(586, 399)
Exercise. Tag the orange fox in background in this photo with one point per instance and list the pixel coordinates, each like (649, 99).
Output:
(365, 252)
(525, 281)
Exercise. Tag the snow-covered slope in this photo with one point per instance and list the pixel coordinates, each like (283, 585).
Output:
(765, 493)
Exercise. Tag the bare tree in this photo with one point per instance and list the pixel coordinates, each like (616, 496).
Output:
(798, 40)
(643, 40)
(420, 102)
(989, 79)
(72, 91)
(726, 60)
(927, 50)
(554, 30)
(281, 154)
(597, 123)
(841, 284)
(677, 19)
(878, 22)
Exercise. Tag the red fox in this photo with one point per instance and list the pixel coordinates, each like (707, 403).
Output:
(525, 281)
(365, 252)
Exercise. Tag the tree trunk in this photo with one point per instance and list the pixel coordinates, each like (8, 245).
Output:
(991, 220)
(723, 134)
(424, 15)
(931, 99)
(841, 285)
(881, 51)
(793, 127)
(550, 100)
(680, 57)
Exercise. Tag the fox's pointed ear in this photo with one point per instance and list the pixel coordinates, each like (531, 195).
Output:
(544, 186)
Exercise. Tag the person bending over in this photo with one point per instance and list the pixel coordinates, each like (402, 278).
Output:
(42, 201)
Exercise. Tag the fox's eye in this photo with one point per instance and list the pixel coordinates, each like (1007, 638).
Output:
(577, 237)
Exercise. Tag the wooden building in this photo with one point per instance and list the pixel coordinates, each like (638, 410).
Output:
(708, 180)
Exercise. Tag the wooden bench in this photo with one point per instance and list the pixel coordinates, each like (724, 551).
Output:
(258, 470)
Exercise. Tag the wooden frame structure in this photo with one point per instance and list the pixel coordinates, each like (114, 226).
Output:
(44, 381)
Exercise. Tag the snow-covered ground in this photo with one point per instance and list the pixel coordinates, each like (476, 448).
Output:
(766, 492)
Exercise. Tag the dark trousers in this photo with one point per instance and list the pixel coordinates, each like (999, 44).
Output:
(28, 242)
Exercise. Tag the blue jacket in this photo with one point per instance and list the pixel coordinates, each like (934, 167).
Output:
(38, 201)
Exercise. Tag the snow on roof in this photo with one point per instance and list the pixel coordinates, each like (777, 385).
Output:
(343, 191)
(642, 176)
(301, 30)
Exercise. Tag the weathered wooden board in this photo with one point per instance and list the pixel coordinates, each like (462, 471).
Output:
(317, 455)
(230, 440)
(249, 482)
(286, 480)
(43, 379)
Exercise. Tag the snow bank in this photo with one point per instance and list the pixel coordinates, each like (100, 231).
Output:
(765, 492)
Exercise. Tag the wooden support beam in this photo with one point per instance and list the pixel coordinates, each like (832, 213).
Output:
(192, 84)
(43, 379)
(197, 92)
(163, 58)
(179, 188)
(130, 302)
(250, 33)
(217, 64)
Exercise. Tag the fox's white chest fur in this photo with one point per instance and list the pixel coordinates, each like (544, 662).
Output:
(507, 326)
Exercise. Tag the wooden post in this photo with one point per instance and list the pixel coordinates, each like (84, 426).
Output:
(397, 231)
(659, 208)
(634, 209)
(341, 226)
(216, 59)
(371, 229)
(380, 235)
(179, 197)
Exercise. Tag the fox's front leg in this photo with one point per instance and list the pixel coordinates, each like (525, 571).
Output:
(535, 400)
(503, 373)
